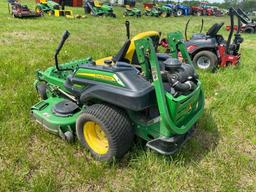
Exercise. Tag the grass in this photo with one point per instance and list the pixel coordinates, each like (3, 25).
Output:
(221, 156)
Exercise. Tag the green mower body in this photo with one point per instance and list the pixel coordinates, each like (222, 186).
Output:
(47, 6)
(132, 12)
(163, 11)
(98, 9)
(118, 94)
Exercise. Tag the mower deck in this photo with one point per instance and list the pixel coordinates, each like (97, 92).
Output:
(57, 122)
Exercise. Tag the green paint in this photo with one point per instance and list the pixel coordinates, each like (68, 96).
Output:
(177, 115)
(176, 45)
(170, 107)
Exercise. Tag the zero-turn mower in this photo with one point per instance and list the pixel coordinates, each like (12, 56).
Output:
(97, 8)
(248, 25)
(131, 11)
(157, 11)
(209, 51)
(106, 104)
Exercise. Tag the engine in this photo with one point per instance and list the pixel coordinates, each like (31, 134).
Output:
(178, 78)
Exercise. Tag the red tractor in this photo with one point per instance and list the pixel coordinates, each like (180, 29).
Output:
(202, 9)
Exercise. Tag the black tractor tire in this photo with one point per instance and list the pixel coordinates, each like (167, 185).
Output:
(41, 90)
(206, 60)
(138, 15)
(249, 30)
(179, 12)
(114, 123)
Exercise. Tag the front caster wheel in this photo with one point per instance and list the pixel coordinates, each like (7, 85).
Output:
(41, 90)
(69, 137)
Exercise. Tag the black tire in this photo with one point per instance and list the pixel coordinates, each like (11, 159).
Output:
(41, 90)
(179, 12)
(114, 123)
(249, 30)
(210, 65)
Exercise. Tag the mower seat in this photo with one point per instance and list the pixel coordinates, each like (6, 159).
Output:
(212, 32)
(198, 36)
(97, 4)
(122, 52)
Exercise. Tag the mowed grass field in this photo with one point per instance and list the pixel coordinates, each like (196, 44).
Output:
(221, 156)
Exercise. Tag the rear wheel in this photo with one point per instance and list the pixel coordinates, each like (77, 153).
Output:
(179, 12)
(105, 130)
(206, 60)
(164, 14)
(249, 30)
(113, 15)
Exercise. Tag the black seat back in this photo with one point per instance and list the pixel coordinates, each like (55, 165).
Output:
(121, 54)
(214, 29)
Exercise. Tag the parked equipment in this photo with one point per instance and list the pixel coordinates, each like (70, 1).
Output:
(132, 11)
(21, 11)
(202, 9)
(97, 8)
(209, 51)
(47, 6)
(217, 11)
(248, 25)
(156, 11)
(179, 9)
(52, 8)
(106, 104)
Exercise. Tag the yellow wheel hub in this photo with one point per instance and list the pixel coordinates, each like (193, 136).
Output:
(95, 137)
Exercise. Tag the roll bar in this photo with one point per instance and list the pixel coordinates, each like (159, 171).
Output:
(232, 13)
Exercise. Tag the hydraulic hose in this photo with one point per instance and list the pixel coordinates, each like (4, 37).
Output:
(181, 87)
(184, 87)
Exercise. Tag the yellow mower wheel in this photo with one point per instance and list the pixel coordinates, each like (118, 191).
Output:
(95, 137)
(164, 14)
(105, 130)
